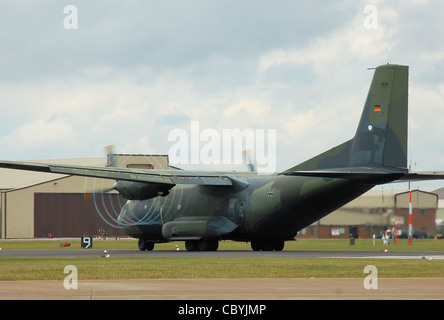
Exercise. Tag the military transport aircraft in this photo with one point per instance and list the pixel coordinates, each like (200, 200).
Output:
(202, 208)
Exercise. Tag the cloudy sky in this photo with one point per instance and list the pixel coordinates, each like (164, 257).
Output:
(132, 71)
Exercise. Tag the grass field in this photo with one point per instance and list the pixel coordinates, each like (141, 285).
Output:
(169, 268)
(183, 267)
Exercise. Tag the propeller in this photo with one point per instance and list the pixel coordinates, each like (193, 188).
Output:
(109, 207)
(111, 162)
(106, 204)
(101, 197)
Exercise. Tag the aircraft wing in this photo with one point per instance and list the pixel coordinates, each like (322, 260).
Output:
(166, 177)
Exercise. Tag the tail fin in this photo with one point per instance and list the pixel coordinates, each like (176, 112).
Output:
(381, 137)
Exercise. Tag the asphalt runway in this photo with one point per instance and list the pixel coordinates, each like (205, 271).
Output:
(225, 289)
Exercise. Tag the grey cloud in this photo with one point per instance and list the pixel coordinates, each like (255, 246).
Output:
(160, 34)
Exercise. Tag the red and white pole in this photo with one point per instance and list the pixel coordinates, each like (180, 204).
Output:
(410, 216)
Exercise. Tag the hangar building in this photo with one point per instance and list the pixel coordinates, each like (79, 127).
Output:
(35, 204)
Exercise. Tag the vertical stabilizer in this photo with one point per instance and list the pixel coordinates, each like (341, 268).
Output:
(381, 137)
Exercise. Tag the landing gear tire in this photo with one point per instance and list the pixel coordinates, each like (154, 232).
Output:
(145, 245)
(207, 245)
(202, 245)
(267, 245)
(191, 245)
(256, 245)
(278, 245)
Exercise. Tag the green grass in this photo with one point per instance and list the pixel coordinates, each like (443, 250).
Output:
(182, 267)
(188, 267)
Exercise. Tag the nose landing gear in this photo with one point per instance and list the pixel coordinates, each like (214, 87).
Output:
(145, 245)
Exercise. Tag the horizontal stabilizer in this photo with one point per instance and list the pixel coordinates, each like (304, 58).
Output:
(369, 174)
(423, 176)
(372, 175)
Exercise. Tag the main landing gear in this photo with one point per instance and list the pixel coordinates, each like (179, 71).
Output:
(213, 245)
(190, 245)
(202, 245)
(267, 245)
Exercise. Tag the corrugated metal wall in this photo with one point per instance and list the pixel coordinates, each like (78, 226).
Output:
(76, 214)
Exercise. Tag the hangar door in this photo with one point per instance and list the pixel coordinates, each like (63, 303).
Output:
(74, 215)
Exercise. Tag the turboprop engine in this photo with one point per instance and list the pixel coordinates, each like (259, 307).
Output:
(141, 190)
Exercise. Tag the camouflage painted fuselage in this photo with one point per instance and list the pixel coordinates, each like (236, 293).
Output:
(270, 207)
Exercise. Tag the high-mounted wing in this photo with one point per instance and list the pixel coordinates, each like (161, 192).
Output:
(165, 177)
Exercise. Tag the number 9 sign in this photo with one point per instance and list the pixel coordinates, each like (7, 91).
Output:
(87, 242)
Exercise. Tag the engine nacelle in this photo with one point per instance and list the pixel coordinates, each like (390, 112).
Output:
(141, 190)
